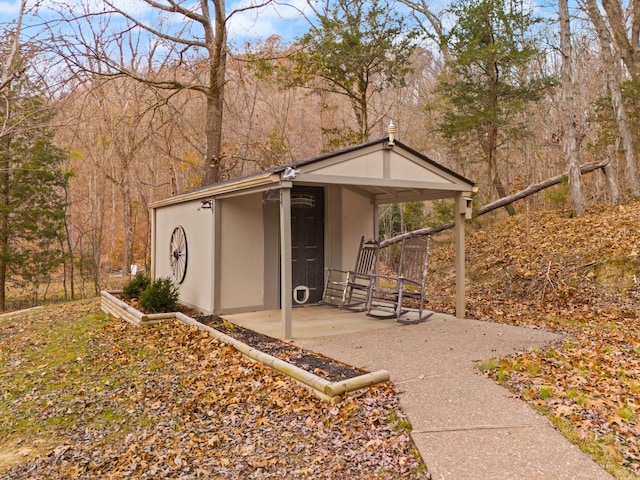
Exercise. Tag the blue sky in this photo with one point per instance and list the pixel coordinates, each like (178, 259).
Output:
(283, 20)
(8, 9)
(253, 26)
(276, 19)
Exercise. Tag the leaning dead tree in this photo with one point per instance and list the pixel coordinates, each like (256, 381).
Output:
(508, 200)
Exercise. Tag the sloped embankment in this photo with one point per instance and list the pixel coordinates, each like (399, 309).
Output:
(577, 276)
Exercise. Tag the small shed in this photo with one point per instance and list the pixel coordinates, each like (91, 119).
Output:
(263, 241)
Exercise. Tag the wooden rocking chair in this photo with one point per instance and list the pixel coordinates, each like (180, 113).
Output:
(350, 288)
(397, 296)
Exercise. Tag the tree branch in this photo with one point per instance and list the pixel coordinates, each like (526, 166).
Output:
(7, 75)
(158, 33)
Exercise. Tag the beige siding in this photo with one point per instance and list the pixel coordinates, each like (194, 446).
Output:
(242, 253)
(357, 220)
(368, 166)
(196, 288)
(271, 255)
(404, 169)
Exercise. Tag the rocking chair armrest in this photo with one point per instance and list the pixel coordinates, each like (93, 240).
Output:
(363, 276)
(349, 275)
(402, 280)
(375, 286)
(330, 270)
(336, 276)
(385, 277)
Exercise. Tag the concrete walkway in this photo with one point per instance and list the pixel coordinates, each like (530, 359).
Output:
(464, 425)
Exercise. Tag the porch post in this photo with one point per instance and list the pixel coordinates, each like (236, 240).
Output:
(461, 209)
(286, 287)
(153, 242)
(216, 235)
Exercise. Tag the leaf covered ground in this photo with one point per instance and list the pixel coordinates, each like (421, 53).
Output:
(86, 396)
(579, 277)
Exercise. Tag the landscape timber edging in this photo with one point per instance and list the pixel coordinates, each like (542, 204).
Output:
(324, 389)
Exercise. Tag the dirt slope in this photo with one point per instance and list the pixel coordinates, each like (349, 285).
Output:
(577, 276)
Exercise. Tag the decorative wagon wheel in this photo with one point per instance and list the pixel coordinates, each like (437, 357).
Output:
(178, 253)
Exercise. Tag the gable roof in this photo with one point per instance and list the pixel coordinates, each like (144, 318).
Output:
(390, 173)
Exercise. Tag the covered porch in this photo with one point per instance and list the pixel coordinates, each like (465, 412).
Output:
(362, 178)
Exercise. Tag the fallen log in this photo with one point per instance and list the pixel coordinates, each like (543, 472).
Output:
(501, 202)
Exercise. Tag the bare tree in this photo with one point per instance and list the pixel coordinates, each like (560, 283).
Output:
(570, 140)
(166, 44)
(611, 68)
(430, 23)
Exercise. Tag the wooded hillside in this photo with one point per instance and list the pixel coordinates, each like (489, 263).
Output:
(576, 276)
(144, 110)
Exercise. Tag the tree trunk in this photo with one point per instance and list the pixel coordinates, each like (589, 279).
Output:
(216, 39)
(570, 137)
(364, 116)
(8, 65)
(502, 202)
(629, 49)
(613, 83)
(492, 166)
(4, 233)
(127, 228)
(213, 162)
(612, 180)
(491, 143)
(69, 240)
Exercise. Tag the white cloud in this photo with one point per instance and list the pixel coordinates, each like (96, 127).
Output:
(9, 9)
(287, 21)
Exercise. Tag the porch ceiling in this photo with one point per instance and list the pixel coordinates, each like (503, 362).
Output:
(388, 194)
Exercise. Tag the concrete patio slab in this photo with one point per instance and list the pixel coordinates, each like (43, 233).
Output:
(464, 425)
(309, 321)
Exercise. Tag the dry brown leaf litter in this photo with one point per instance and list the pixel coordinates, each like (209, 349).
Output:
(573, 276)
(169, 401)
(576, 276)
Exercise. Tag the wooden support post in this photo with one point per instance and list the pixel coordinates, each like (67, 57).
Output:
(216, 235)
(286, 287)
(461, 210)
(152, 212)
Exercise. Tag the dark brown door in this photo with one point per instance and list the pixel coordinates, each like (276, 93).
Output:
(307, 242)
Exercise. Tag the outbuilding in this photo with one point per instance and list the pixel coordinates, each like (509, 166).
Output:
(263, 241)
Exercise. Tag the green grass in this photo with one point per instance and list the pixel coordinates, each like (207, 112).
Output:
(534, 368)
(546, 393)
(60, 379)
(601, 448)
(488, 365)
(400, 424)
(502, 375)
(626, 412)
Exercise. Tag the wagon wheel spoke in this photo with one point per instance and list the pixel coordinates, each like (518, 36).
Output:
(178, 254)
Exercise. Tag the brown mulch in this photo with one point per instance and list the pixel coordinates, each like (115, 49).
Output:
(312, 362)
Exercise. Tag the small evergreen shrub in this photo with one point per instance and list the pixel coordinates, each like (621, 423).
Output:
(559, 195)
(160, 296)
(135, 287)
